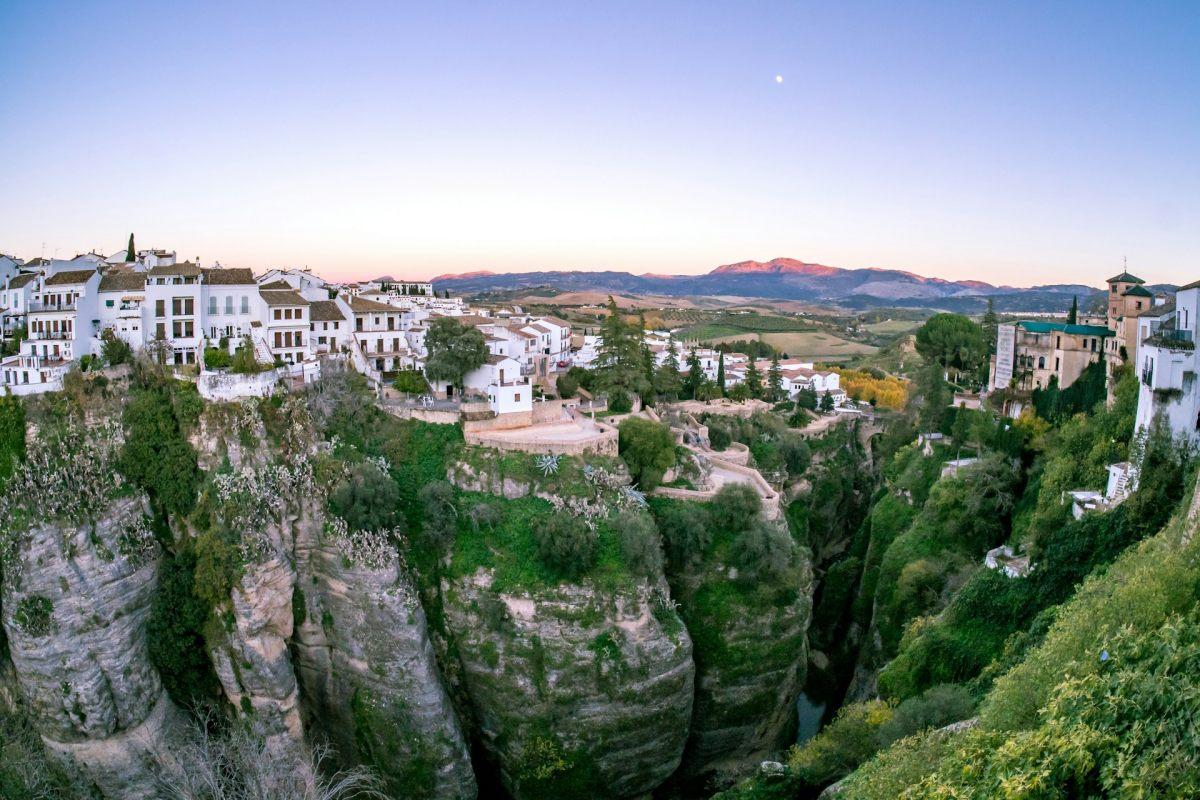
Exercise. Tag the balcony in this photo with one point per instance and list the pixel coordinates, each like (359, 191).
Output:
(1172, 340)
(51, 335)
(36, 305)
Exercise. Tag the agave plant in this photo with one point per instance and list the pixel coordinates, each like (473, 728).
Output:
(548, 464)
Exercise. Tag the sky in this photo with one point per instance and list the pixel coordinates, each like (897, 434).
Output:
(1017, 143)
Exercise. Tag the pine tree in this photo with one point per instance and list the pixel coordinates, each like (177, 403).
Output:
(827, 402)
(1073, 314)
(775, 379)
(131, 251)
(667, 380)
(695, 375)
(647, 357)
(721, 373)
(989, 324)
(754, 380)
(612, 335)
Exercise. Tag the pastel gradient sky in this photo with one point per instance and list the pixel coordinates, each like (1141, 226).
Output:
(1019, 143)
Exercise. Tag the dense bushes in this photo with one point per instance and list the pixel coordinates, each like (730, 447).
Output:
(565, 544)
(367, 499)
(174, 634)
(12, 434)
(640, 545)
(648, 449)
(156, 455)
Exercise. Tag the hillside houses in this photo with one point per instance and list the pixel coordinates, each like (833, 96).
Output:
(289, 317)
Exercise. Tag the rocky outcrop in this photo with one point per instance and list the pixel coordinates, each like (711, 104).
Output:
(367, 669)
(752, 658)
(76, 599)
(576, 692)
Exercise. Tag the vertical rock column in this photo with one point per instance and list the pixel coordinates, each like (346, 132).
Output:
(76, 601)
(367, 668)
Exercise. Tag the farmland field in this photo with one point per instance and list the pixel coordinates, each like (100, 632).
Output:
(893, 326)
(815, 345)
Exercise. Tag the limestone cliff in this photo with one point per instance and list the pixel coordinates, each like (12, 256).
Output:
(366, 666)
(575, 691)
(76, 598)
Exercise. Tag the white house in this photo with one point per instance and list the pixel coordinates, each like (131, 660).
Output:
(1167, 367)
(286, 325)
(310, 286)
(329, 325)
(377, 329)
(18, 292)
(121, 300)
(229, 299)
(173, 307)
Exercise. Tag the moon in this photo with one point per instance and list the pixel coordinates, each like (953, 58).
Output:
(779, 79)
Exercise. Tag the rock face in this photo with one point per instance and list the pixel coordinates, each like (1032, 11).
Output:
(751, 665)
(575, 692)
(369, 678)
(76, 601)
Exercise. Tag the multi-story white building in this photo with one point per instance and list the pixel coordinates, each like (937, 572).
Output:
(286, 325)
(380, 335)
(18, 292)
(329, 326)
(173, 305)
(1167, 367)
(121, 304)
(230, 304)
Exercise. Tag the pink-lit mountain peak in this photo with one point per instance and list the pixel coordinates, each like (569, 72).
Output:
(775, 266)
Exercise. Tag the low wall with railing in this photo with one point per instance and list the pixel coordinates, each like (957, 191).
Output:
(235, 386)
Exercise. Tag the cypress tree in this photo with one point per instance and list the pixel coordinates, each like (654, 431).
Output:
(721, 373)
(775, 378)
(754, 380)
(131, 251)
(1073, 314)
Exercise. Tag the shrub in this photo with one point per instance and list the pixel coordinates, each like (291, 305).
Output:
(216, 358)
(619, 401)
(718, 436)
(648, 449)
(440, 521)
(411, 381)
(735, 507)
(763, 553)
(34, 615)
(565, 544)
(367, 499)
(936, 708)
(12, 434)
(567, 386)
(685, 531)
(113, 349)
(174, 634)
(842, 745)
(640, 545)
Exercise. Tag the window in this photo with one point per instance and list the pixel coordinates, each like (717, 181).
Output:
(1041, 362)
(160, 330)
(160, 308)
(1058, 342)
(278, 313)
(228, 304)
(245, 304)
(1056, 364)
(183, 306)
(108, 303)
(182, 329)
(212, 305)
(278, 339)
(517, 397)
(287, 313)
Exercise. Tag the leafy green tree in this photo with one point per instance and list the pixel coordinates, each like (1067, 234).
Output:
(754, 380)
(775, 379)
(174, 633)
(454, 350)
(641, 547)
(932, 398)
(566, 386)
(243, 362)
(807, 398)
(648, 449)
(411, 381)
(367, 499)
(131, 251)
(953, 341)
(735, 507)
(740, 393)
(12, 434)
(114, 349)
(156, 455)
(708, 390)
(217, 358)
(621, 359)
(763, 553)
(565, 544)
(721, 372)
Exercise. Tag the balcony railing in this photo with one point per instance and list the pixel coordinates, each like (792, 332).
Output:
(1172, 340)
(36, 305)
(52, 335)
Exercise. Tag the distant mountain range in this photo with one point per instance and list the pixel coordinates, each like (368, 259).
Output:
(790, 279)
